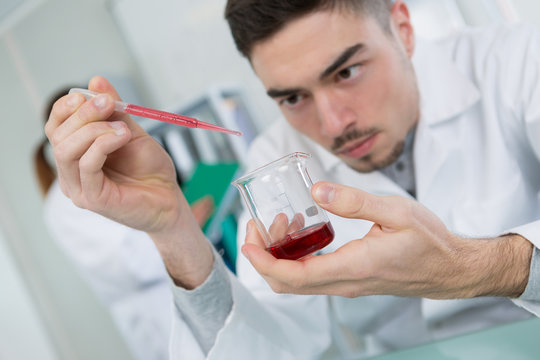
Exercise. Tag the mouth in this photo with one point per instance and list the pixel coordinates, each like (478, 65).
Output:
(358, 148)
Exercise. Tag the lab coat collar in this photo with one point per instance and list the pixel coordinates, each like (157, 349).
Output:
(444, 90)
(445, 94)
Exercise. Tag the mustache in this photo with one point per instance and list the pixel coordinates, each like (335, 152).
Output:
(350, 135)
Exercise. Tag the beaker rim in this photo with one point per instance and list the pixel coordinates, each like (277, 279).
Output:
(260, 169)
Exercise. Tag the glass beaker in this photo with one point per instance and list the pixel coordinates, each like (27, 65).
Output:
(278, 196)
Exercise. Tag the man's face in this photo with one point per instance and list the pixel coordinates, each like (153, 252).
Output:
(343, 81)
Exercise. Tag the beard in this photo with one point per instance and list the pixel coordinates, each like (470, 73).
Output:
(366, 164)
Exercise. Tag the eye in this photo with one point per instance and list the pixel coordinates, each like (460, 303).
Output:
(291, 100)
(349, 72)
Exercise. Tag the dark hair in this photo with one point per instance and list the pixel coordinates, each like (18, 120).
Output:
(253, 21)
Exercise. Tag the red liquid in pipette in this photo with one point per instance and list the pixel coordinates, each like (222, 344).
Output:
(303, 242)
(176, 119)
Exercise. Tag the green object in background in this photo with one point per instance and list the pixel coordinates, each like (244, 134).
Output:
(210, 179)
(229, 228)
(215, 180)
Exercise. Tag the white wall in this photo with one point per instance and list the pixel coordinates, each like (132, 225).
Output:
(20, 317)
(58, 42)
(188, 48)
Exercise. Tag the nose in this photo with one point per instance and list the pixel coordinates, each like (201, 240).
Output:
(334, 113)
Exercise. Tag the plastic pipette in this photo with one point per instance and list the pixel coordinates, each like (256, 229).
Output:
(149, 113)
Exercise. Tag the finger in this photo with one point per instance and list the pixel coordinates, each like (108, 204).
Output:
(91, 163)
(99, 108)
(62, 109)
(349, 202)
(253, 236)
(279, 226)
(284, 276)
(323, 274)
(346, 288)
(102, 85)
(296, 224)
(69, 152)
(265, 263)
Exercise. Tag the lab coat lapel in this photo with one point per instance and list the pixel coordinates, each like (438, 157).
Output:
(445, 93)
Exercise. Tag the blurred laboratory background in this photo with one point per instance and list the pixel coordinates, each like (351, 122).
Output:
(171, 55)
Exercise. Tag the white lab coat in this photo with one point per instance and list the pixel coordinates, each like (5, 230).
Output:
(476, 156)
(122, 267)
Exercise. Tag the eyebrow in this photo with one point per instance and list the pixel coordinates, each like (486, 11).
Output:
(340, 60)
(275, 93)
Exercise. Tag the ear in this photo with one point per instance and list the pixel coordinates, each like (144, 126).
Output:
(402, 25)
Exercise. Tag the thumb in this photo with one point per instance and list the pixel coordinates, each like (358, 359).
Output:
(349, 202)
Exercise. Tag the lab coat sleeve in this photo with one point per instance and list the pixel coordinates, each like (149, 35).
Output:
(205, 308)
(287, 328)
(530, 299)
(115, 260)
(528, 105)
(257, 329)
(262, 324)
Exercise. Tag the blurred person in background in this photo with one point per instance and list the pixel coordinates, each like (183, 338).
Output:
(121, 265)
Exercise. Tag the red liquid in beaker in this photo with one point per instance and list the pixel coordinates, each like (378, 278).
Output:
(303, 242)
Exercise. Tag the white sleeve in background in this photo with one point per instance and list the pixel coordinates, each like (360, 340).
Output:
(114, 259)
(123, 269)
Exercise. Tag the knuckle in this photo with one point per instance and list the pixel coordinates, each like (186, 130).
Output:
(54, 136)
(359, 204)
(400, 207)
(407, 210)
(63, 186)
(349, 293)
(61, 153)
(80, 203)
(88, 113)
(49, 131)
(85, 164)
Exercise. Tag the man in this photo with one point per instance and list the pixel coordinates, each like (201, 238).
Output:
(342, 74)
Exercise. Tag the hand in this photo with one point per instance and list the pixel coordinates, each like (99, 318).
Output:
(407, 252)
(202, 209)
(108, 164)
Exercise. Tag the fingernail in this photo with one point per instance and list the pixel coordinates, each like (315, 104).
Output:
(100, 101)
(325, 193)
(118, 127)
(73, 100)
